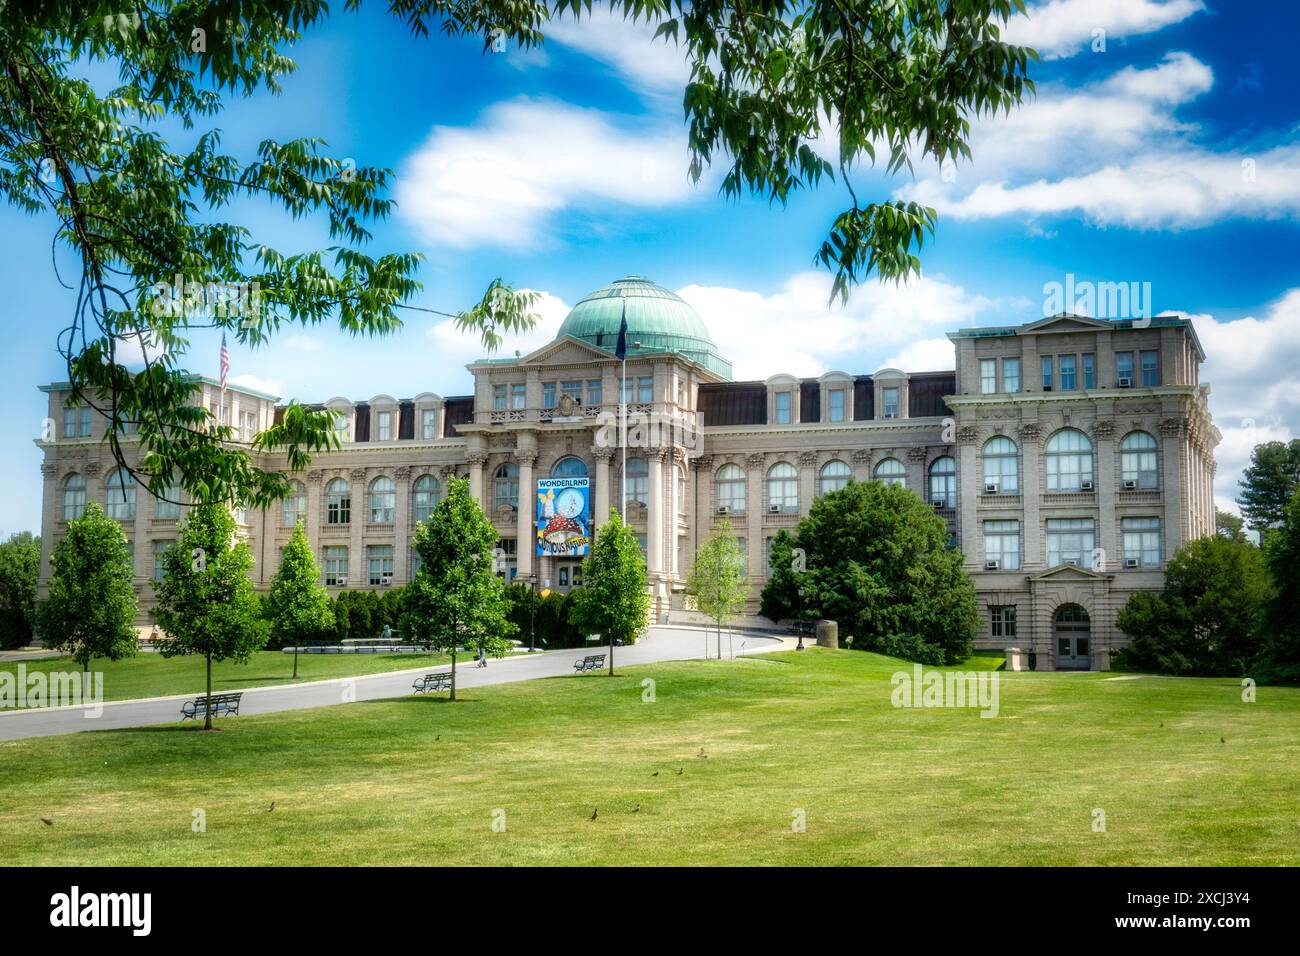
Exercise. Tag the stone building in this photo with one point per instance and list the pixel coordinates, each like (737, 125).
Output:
(1069, 456)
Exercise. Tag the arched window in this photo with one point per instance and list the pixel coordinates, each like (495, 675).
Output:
(638, 481)
(891, 472)
(730, 488)
(294, 506)
(383, 496)
(1001, 466)
(783, 488)
(119, 495)
(834, 476)
(569, 467)
(1068, 461)
(74, 496)
(427, 491)
(338, 502)
(1139, 460)
(505, 486)
(943, 482)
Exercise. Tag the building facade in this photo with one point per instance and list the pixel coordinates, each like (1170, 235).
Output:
(1070, 457)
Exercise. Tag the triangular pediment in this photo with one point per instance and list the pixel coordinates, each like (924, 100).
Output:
(1065, 322)
(1069, 572)
(566, 351)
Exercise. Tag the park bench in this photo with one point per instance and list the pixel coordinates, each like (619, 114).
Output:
(589, 663)
(219, 705)
(432, 682)
(808, 628)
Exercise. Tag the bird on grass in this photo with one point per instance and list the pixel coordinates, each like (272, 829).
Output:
(48, 821)
(1222, 740)
(702, 754)
(637, 808)
(680, 771)
(271, 807)
(594, 811)
(655, 774)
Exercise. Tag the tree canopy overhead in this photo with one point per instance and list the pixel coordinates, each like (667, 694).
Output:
(775, 86)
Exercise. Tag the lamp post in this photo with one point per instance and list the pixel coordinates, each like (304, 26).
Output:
(532, 612)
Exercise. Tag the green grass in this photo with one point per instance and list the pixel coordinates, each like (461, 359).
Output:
(1185, 771)
(152, 675)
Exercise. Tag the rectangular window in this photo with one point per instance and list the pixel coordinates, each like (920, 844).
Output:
(1151, 368)
(1089, 372)
(1002, 620)
(988, 376)
(519, 395)
(889, 398)
(744, 557)
(505, 561)
(1011, 374)
(335, 559)
(384, 426)
(1068, 382)
(499, 398)
(573, 390)
(1002, 544)
(416, 563)
(1141, 542)
(248, 421)
(594, 390)
(837, 404)
(1047, 373)
(159, 549)
(69, 423)
(1070, 541)
(85, 423)
(429, 424)
(1123, 368)
(379, 564)
(548, 395)
(783, 408)
(645, 386)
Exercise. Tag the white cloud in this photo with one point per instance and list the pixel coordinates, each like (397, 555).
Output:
(653, 66)
(460, 348)
(302, 343)
(504, 180)
(268, 385)
(795, 330)
(1062, 28)
(927, 355)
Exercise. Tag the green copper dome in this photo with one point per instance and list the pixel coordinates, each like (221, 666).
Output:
(659, 320)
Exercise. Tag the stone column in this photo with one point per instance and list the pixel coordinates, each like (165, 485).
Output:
(970, 485)
(1032, 556)
(402, 522)
(477, 459)
(862, 464)
(1105, 480)
(358, 569)
(807, 481)
(754, 507)
(655, 514)
(603, 454)
(312, 521)
(524, 543)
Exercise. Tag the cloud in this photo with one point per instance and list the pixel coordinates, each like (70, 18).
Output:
(1062, 28)
(794, 330)
(506, 180)
(927, 355)
(655, 67)
(1115, 153)
(1255, 396)
(302, 343)
(456, 347)
(268, 385)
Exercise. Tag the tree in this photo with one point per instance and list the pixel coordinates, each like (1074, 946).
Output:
(1228, 525)
(718, 580)
(456, 600)
(91, 605)
(206, 604)
(1268, 483)
(139, 196)
(298, 607)
(1207, 619)
(876, 559)
(779, 599)
(613, 599)
(20, 565)
(1280, 662)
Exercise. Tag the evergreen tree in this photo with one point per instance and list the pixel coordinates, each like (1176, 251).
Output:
(1268, 483)
(1281, 660)
(91, 605)
(20, 565)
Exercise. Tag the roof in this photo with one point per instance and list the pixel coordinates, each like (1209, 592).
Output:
(1164, 321)
(658, 321)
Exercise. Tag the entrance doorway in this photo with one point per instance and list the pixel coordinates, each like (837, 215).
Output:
(1073, 634)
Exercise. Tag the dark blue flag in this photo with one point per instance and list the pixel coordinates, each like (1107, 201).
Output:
(620, 352)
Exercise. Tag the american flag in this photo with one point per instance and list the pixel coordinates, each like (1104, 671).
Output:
(225, 362)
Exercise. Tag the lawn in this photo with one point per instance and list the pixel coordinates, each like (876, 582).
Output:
(713, 770)
(152, 675)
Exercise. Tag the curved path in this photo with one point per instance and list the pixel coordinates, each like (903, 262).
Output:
(664, 643)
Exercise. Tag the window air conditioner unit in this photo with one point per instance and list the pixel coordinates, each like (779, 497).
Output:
(1125, 383)
(1047, 388)
(386, 583)
(1130, 562)
(939, 505)
(891, 414)
(1071, 561)
(990, 487)
(774, 509)
(992, 564)
(1130, 484)
(1085, 486)
(723, 510)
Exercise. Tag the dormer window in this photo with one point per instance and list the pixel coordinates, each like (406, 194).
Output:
(837, 404)
(383, 426)
(429, 424)
(889, 398)
(784, 408)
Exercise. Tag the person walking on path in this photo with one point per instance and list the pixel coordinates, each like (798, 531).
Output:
(482, 657)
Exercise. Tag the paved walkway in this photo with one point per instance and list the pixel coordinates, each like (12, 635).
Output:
(665, 643)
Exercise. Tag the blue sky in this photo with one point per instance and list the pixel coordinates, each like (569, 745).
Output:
(1171, 156)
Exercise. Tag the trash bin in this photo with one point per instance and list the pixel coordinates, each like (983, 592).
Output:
(828, 634)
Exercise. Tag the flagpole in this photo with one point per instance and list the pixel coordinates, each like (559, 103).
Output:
(622, 437)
